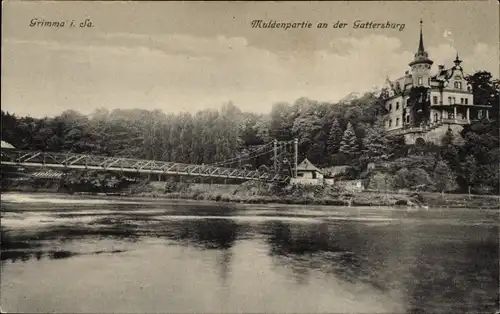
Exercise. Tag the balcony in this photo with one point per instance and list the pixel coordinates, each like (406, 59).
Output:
(456, 121)
(430, 126)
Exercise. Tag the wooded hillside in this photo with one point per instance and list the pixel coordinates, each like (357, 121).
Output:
(346, 133)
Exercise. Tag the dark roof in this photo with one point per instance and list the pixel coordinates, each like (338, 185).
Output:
(446, 74)
(421, 49)
(421, 56)
(306, 165)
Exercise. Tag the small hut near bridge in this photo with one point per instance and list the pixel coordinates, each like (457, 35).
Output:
(308, 174)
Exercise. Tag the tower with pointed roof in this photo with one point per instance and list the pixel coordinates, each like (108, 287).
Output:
(426, 103)
(421, 64)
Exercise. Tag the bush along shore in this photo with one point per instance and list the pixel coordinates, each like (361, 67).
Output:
(251, 192)
(264, 193)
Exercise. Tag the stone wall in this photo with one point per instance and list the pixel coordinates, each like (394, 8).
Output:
(434, 135)
(350, 185)
(301, 181)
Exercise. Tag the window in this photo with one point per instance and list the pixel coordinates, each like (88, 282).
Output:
(479, 114)
(466, 101)
(458, 85)
(435, 117)
(390, 122)
(461, 100)
(450, 115)
(453, 100)
(397, 105)
(449, 100)
(407, 102)
(390, 107)
(407, 119)
(420, 80)
(435, 100)
(397, 121)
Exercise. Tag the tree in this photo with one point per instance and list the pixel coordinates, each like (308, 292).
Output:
(318, 149)
(482, 139)
(402, 178)
(444, 178)
(306, 126)
(376, 146)
(211, 136)
(381, 182)
(421, 180)
(449, 151)
(281, 122)
(470, 171)
(186, 138)
(349, 144)
(486, 91)
(396, 145)
(334, 137)
(8, 125)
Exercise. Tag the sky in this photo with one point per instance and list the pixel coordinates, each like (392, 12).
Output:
(190, 56)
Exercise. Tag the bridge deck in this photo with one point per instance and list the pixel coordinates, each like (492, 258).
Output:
(119, 164)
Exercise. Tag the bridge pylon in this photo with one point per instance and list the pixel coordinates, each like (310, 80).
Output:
(295, 156)
(275, 153)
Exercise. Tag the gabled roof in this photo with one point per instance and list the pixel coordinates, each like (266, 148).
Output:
(6, 145)
(446, 74)
(306, 165)
(443, 74)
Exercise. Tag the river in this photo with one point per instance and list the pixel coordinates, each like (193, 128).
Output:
(70, 254)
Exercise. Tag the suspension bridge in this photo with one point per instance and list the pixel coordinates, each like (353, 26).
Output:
(223, 169)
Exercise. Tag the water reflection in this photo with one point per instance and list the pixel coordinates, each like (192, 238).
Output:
(466, 274)
(15, 247)
(305, 247)
(420, 266)
(206, 234)
(209, 234)
(400, 260)
(23, 256)
(298, 239)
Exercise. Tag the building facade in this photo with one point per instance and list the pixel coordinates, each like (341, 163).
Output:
(426, 103)
(308, 174)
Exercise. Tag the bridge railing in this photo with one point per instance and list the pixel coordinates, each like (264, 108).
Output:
(96, 162)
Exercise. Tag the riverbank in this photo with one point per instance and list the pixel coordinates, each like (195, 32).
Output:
(262, 193)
